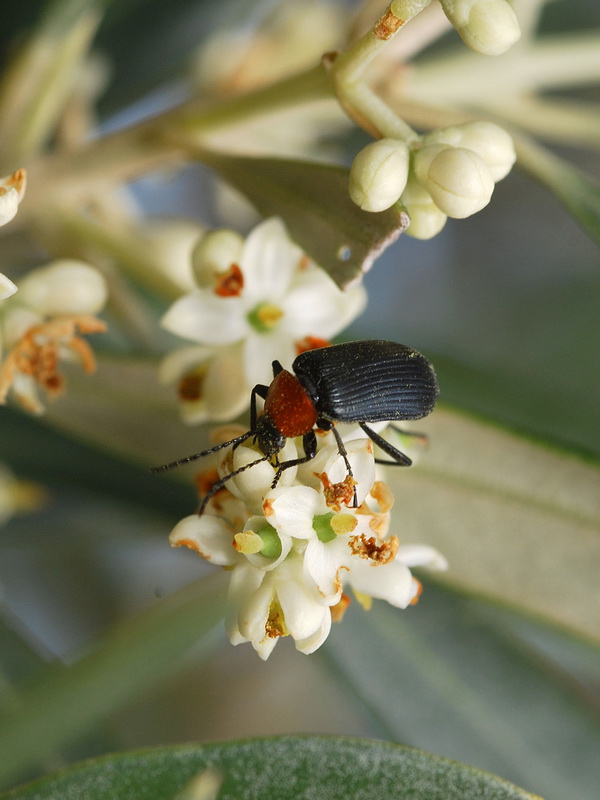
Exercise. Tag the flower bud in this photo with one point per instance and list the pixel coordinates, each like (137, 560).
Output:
(489, 27)
(458, 180)
(252, 484)
(64, 287)
(379, 174)
(426, 219)
(488, 140)
(169, 243)
(214, 254)
(7, 287)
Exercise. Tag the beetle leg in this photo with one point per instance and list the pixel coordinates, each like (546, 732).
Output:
(309, 442)
(327, 425)
(400, 459)
(222, 481)
(422, 437)
(261, 390)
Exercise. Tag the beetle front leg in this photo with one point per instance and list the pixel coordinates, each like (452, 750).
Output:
(261, 390)
(309, 443)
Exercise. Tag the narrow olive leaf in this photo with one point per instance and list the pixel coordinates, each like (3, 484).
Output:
(575, 190)
(449, 681)
(313, 201)
(518, 522)
(63, 702)
(37, 82)
(287, 768)
(122, 409)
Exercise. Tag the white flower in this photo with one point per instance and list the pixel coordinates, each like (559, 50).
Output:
(12, 189)
(267, 303)
(263, 606)
(39, 326)
(294, 548)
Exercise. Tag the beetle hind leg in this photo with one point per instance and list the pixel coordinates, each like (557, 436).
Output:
(399, 458)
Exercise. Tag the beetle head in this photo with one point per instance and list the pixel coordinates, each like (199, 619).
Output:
(268, 436)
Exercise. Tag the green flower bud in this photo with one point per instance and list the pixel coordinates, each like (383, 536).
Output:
(458, 180)
(379, 174)
(426, 219)
(489, 27)
(214, 254)
(488, 140)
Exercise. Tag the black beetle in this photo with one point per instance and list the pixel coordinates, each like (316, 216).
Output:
(367, 381)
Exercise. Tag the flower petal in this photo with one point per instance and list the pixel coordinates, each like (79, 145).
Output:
(7, 287)
(209, 536)
(269, 260)
(315, 306)
(207, 319)
(260, 350)
(392, 582)
(292, 508)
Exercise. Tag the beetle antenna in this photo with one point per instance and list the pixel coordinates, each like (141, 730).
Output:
(187, 459)
(222, 481)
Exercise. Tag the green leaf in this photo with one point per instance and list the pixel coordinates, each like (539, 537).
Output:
(124, 410)
(313, 201)
(297, 768)
(39, 79)
(518, 522)
(449, 681)
(65, 701)
(575, 190)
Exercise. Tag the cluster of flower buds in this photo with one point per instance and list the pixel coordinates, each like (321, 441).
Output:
(39, 326)
(255, 300)
(294, 550)
(450, 172)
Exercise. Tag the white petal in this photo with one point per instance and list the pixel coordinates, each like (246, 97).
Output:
(205, 318)
(269, 261)
(313, 642)
(7, 287)
(9, 204)
(260, 350)
(265, 647)
(65, 287)
(326, 563)
(225, 389)
(392, 582)
(209, 536)
(315, 306)
(303, 613)
(421, 555)
(293, 509)
(245, 581)
(175, 365)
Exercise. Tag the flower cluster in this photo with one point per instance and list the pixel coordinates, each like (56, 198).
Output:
(450, 172)
(256, 300)
(40, 325)
(295, 549)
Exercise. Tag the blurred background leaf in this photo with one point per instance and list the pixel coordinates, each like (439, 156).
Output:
(283, 768)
